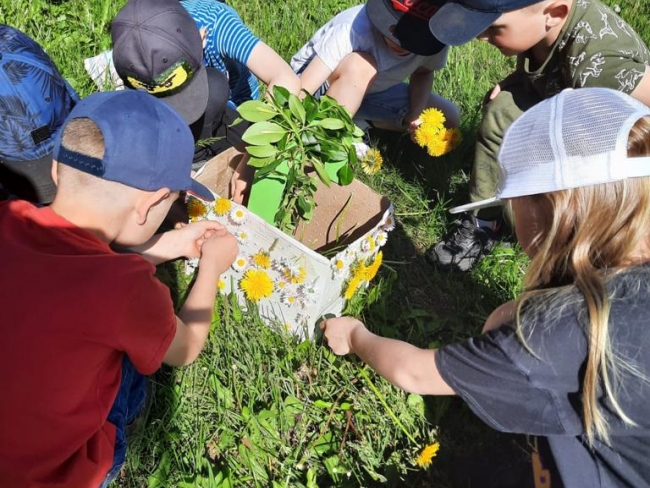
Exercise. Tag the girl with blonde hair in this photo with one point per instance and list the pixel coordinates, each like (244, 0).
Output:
(569, 360)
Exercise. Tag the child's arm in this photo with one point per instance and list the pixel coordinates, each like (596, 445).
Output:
(269, 67)
(314, 75)
(194, 320)
(642, 90)
(404, 365)
(184, 241)
(420, 84)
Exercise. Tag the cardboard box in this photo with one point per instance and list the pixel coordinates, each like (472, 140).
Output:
(296, 280)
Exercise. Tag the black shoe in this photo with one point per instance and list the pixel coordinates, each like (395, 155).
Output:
(463, 248)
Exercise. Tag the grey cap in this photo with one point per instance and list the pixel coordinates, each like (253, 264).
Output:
(157, 47)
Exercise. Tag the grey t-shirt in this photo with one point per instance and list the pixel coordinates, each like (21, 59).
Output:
(514, 391)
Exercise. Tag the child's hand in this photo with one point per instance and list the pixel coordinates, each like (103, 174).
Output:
(338, 333)
(412, 123)
(219, 250)
(190, 237)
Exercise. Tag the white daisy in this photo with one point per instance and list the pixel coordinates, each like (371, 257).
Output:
(242, 236)
(381, 238)
(389, 224)
(240, 263)
(237, 215)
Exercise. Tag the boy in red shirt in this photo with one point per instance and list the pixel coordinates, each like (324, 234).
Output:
(83, 322)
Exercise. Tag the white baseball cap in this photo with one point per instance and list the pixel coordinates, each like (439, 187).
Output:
(577, 138)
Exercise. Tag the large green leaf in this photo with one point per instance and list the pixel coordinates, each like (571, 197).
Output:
(295, 105)
(256, 111)
(280, 95)
(330, 123)
(322, 174)
(263, 133)
(258, 162)
(346, 175)
(267, 151)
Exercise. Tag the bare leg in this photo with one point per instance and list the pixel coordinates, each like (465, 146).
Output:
(351, 79)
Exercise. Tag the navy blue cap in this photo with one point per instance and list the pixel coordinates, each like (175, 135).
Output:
(148, 145)
(460, 21)
(34, 102)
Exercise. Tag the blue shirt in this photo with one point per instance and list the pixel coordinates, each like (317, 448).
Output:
(228, 45)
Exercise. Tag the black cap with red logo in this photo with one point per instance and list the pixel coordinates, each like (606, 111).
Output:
(407, 23)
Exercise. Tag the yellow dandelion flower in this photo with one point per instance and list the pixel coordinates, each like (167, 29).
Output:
(425, 135)
(438, 146)
(372, 161)
(432, 118)
(196, 209)
(373, 268)
(428, 453)
(262, 259)
(359, 271)
(295, 275)
(452, 138)
(222, 206)
(352, 286)
(221, 285)
(256, 284)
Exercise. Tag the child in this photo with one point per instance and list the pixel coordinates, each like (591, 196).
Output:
(560, 44)
(34, 101)
(83, 322)
(569, 359)
(363, 55)
(199, 57)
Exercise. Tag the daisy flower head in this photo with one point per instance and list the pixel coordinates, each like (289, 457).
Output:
(256, 284)
(240, 263)
(290, 299)
(381, 238)
(389, 224)
(237, 215)
(368, 244)
(262, 259)
(222, 206)
(196, 209)
(372, 161)
(242, 236)
(430, 451)
(340, 263)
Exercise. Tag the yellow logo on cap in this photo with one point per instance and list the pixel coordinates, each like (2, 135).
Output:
(167, 83)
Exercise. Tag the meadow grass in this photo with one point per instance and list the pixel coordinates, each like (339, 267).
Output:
(262, 408)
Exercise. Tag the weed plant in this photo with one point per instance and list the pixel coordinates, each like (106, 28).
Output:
(262, 408)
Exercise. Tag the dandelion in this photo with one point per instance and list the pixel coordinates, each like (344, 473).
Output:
(295, 274)
(373, 268)
(428, 453)
(196, 209)
(222, 206)
(438, 145)
(352, 286)
(221, 285)
(237, 215)
(372, 161)
(240, 263)
(262, 259)
(452, 138)
(432, 117)
(256, 284)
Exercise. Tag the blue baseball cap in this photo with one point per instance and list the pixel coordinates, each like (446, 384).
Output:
(34, 102)
(460, 21)
(148, 145)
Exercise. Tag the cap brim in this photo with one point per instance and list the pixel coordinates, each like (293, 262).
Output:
(192, 101)
(201, 191)
(409, 32)
(30, 180)
(454, 24)
(490, 202)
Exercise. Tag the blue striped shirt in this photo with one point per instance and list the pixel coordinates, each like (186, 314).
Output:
(229, 44)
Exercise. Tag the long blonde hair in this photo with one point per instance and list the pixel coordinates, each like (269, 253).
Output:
(590, 234)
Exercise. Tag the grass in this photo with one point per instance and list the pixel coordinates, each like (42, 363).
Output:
(259, 407)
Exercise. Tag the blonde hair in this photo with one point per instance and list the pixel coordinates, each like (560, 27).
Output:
(591, 233)
(84, 137)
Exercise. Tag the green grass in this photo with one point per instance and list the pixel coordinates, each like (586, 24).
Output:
(260, 408)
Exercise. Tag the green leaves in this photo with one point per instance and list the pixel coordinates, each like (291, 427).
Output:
(298, 134)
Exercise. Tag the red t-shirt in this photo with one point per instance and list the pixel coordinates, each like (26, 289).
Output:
(71, 307)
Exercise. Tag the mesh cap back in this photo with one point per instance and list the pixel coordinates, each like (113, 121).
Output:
(577, 138)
